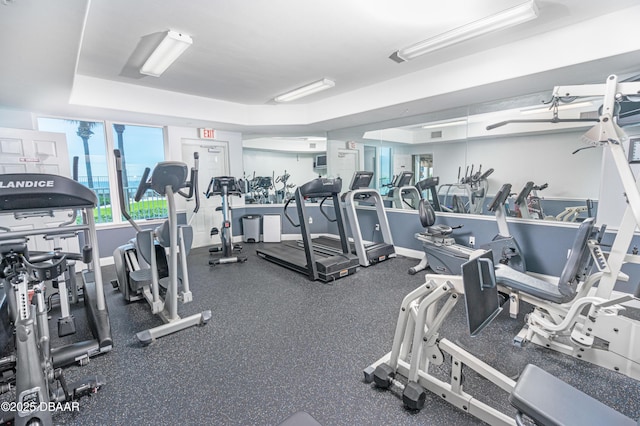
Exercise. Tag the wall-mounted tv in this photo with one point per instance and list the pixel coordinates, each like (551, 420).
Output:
(321, 162)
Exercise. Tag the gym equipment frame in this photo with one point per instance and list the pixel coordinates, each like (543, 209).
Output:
(417, 344)
(306, 260)
(444, 256)
(225, 186)
(136, 282)
(368, 253)
(601, 336)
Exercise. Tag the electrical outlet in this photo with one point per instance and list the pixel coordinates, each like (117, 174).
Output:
(472, 241)
(377, 226)
(310, 220)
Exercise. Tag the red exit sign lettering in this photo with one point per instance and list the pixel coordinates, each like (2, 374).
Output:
(207, 133)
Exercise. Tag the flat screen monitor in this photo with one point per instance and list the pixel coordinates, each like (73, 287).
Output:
(321, 162)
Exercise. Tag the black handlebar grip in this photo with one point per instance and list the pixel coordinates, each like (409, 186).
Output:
(87, 254)
(142, 187)
(116, 153)
(74, 172)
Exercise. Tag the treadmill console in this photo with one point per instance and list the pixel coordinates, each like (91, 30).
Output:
(361, 180)
(321, 187)
(403, 179)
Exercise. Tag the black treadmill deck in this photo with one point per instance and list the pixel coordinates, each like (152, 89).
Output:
(375, 252)
(290, 255)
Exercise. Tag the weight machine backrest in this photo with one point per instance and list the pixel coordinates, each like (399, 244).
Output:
(579, 260)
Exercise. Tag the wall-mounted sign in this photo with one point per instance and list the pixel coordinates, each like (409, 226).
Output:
(206, 133)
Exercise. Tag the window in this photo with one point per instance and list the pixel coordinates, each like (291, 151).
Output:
(86, 140)
(141, 146)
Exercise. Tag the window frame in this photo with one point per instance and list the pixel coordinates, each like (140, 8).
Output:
(110, 143)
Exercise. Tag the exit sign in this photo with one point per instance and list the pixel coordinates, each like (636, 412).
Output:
(206, 133)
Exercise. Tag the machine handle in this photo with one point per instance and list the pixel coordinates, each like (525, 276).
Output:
(118, 155)
(74, 170)
(142, 187)
(193, 183)
(287, 214)
(335, 219)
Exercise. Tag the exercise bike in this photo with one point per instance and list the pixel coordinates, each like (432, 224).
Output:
(225, 186)
(140, 265)
(40, 385)
(444, 256)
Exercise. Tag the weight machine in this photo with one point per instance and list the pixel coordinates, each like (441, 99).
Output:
(602, 335)
(418, 345)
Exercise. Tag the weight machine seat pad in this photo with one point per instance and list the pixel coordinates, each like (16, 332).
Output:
(536, 287)
(301, 418)
(549, 401)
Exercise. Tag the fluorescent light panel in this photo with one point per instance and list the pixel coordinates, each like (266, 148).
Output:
(170, 48)
(505, 19)
(307, 90)
(444, 124)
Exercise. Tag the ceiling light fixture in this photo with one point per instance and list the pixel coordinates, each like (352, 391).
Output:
(445, 124)
(170, 48)
(305, 90)
(505, 19)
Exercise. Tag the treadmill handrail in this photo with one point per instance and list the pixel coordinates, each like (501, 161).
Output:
(296, 225)
(325, 213)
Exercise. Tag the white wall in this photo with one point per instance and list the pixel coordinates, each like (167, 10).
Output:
(175, 135)
(16, 119)
(265, 163)
(539, 158)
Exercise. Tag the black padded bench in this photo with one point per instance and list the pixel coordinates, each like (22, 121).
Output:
(577, 264)
(548, 400)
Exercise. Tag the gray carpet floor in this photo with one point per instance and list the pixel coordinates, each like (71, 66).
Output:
(278, 343)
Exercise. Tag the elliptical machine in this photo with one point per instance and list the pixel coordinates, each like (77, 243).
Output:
(225, 186)
(141, 264)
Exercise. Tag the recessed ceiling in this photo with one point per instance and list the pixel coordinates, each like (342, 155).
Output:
(245, 53)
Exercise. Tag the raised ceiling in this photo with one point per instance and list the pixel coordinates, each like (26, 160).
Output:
(82, 57)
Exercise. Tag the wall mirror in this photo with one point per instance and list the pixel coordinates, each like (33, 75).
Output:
(471, 163)
(275, 165)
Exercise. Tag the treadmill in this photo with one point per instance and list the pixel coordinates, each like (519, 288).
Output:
(403, 195)
(317, 266)
(368, 253)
